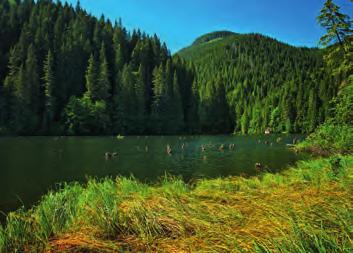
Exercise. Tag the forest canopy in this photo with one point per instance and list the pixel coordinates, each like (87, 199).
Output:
(64, 71)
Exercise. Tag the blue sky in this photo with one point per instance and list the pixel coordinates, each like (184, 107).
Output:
(179, 22)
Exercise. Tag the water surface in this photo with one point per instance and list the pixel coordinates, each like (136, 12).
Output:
(30, 166)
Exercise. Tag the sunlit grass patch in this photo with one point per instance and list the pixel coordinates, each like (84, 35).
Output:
(98, 207)
(57, 211)
(20, 233)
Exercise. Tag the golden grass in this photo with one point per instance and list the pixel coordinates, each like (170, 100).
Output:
(305, 209)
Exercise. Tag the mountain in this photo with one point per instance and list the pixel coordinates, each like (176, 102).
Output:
(265, 83)
(211, 37)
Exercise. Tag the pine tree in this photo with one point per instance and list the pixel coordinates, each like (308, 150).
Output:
(49, 90)
(22, 118)
(177, 111)
(159, 99)
(255, 120)
(339, 29)
(128, 100)
(193, 124)
(158, 88)
(221, 108)
(119, 59)
(9, 83)
(169, 80)
(338, 25)
(91, 78)
(275, 120)
(120, 45)
(103, 82)
(136, 55)
(32, 81)
(140, 92)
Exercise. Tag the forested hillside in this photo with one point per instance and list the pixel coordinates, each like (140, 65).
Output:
(335, 136)
(63, 71)
(248, 83)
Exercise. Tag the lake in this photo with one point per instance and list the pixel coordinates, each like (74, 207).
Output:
(30, 166)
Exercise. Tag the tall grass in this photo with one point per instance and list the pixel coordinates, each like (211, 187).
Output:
(329, 139)
(2, 238)
(57, 211)
(308, 208)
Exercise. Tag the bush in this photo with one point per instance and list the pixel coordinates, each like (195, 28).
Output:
(328, 139)
(85, 117)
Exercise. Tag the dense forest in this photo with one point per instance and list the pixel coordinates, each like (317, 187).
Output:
(63, 71)
(265, 83)
(335, 136)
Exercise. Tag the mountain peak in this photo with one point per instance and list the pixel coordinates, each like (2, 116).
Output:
(206, 38)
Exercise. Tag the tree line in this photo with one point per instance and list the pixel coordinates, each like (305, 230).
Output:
(63, 71)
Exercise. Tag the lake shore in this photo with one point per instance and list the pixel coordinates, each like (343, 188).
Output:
(303, 209)
(30, 166)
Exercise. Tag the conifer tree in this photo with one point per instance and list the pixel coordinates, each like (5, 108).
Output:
(339, 29)
(337, 24)
(49, 90)
(103, 82)
(159, 99)
(158, 89)
(140, 92)
(22, 116)
(177, 112)
(119, 58)
(169, 80)
(32, 81)
(91, 78)
(10, 83)
(221, 108)
(193, 123)
(128, 100)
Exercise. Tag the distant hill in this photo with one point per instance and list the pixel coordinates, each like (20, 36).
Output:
(213, 36)
(267, 83)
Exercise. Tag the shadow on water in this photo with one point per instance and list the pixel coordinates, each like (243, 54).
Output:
(32, 165)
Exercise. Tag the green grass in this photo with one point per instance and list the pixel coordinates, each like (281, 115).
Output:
(329, 139)
(308, 208)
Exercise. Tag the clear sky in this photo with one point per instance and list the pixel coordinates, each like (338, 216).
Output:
(180, 22)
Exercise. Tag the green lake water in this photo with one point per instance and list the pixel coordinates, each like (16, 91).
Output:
(30, 166)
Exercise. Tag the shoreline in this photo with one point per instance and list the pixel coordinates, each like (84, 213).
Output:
(286, 210)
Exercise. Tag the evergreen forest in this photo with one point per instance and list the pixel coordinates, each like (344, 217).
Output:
(66, 72)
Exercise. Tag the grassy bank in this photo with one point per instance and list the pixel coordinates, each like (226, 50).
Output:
(308, 208)
(329, 139)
